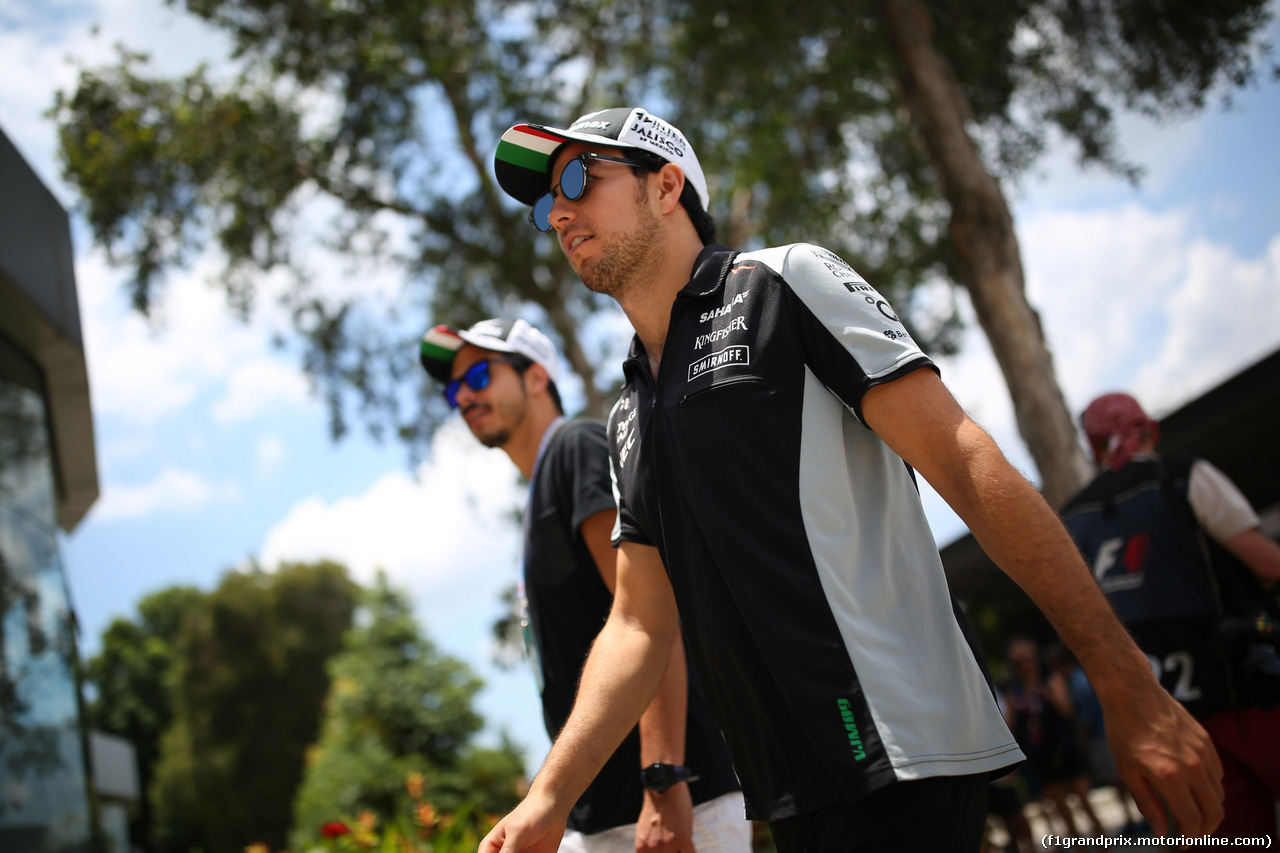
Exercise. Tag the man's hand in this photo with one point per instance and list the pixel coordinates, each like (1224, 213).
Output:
(533, 826)
(1162, 753)
(666, 821)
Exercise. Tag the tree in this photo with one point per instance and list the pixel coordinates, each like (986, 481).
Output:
(247, 684)
(908, 116)
(396, 708)
(886, 131)
(386, 109)
(129, 679)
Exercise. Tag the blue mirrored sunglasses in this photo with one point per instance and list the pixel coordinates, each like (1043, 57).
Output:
(476, 376)
(573, 185)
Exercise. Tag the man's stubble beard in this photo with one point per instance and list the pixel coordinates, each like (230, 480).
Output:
(628, 255)
(495, 439)
(514, 415)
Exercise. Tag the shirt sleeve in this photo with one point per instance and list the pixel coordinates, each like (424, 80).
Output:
(859, 323)
(582, 464)
(1222, 510)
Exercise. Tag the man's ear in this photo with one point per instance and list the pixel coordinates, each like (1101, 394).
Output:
(670, 181)
(536, 378)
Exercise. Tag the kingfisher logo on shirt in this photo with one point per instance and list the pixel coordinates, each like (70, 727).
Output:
(851, 729)
(738, 354)
(737, 324)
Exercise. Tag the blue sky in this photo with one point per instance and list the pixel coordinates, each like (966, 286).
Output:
(212, 451)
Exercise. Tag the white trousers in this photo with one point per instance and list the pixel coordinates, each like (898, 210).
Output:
(719, 825)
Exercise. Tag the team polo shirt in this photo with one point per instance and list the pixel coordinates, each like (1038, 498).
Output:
(810, 590)
(568, 605)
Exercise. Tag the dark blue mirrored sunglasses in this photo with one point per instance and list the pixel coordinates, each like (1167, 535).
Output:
(477, 377)
(573, 185)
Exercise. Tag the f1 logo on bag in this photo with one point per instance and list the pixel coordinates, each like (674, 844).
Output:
(1119, 561)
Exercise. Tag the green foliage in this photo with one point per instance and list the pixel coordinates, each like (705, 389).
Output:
(198, 160)
(397, 708)
(795, 109)
(507, 632)
(420, 828)
(820, 147)
(130, 680)
(247, 683)
(387, 109)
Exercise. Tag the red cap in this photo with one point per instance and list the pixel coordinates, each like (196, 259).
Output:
(1116, 425)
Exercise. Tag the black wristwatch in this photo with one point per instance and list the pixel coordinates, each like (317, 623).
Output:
(659, 777)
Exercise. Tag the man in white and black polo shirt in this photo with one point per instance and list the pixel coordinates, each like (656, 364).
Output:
(500, 375)
(764, 446)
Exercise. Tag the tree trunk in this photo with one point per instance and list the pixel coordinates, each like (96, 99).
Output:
(990, 268)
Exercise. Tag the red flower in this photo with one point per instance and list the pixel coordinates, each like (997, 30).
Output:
(333, 829)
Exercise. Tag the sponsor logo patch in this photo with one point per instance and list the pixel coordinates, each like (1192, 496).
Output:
(836, 264)
(737, 324)
(659, 134)
(851, 729)
(723, 309)
(736, 355)
(625, 437)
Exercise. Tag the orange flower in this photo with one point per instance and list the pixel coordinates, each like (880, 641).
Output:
(257, 847)
(415, 785)
(368, 820)
(425, 814)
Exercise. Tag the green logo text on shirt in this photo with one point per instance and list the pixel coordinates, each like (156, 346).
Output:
(851, 728)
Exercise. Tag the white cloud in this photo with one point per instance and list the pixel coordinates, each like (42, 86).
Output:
(142, 372)
(448, 534)
(44, 43)
(1136, 300)
(270, 452)
(1099, 281)
(1222, 318)
(1131, 300)
(173, 490)
(1161, 148)
(257, 386)
(449, 537)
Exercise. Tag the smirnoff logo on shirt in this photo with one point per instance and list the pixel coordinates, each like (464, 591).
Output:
(738, 354)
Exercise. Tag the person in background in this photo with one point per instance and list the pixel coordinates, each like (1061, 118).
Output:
(1179, 553)
(1091, 733)
(669, 785)
(1041, 714)
(1006, 798)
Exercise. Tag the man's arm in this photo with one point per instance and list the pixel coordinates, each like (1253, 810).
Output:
(621, 675)
(1259, 553)
(666, 819)
(1225, 513)
(1158, 747)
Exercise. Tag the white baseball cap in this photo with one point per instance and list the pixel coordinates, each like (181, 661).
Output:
(526, 152)
(441, 344)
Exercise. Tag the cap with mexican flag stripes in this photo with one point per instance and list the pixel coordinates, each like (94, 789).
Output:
(441, 343)
(526, 151)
